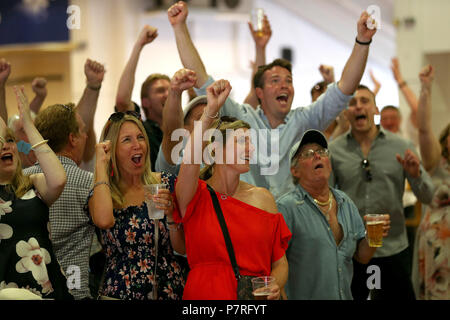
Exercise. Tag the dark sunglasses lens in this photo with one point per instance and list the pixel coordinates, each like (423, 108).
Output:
(116, 116)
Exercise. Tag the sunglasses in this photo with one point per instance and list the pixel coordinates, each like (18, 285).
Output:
(117, 116)
(366, 167)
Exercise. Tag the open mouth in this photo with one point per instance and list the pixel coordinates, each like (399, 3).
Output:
(7, 157)
(137, 159)
(361, 116)
(319, 166)
(283, 98)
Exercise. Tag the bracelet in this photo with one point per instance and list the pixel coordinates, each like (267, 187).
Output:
(99, 183)
(171, 223)
(214, 117)
(94, 88)
(363, 43)
(402, 84)
(38, 144)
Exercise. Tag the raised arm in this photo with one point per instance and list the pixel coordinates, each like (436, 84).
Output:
(376, 83)
(261, 40)
(87, 105)
(5, 71)
(39, 88)
(51, 182)
(409, 95)
(189, 56)
(100, 204)
(354, 68)
(186, 186)
(126, 83)
(430, 149)
(327, 73)
(172, 112)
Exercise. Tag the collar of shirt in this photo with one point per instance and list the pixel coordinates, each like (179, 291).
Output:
(381, 133)
(263, 117)
(66, 160)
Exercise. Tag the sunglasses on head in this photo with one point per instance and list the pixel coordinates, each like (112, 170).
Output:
(117, 116)
(366, 167)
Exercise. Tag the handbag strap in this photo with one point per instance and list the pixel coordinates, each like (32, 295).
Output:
(224, 228)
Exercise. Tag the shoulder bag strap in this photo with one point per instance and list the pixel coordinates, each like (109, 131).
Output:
(224, 228)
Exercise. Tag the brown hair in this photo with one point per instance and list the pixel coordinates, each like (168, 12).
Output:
(258, 78)
(55, 123)
(149, 81)
(222, 125)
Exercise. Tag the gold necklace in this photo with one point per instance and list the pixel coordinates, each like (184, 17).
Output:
(323, 204)
(328, 203)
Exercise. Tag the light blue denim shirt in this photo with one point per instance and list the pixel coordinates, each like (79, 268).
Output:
(319, 269)
(271, 168)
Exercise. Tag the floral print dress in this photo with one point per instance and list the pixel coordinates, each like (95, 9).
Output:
(130, 256)
(433, 242)
(27, 260)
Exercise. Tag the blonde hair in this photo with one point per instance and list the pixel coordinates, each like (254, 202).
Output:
(111, 132)
(20, 183)
(223, 124)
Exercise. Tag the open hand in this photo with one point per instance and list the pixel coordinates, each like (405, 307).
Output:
(410, 163)
(23, 104)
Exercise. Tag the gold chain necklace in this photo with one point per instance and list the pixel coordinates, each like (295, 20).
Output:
(323, 204)
(328, 203)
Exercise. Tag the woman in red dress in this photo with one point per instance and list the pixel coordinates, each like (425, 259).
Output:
(258, 232)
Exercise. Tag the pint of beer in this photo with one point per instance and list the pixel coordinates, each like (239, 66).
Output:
(257, 20)
(374, 230)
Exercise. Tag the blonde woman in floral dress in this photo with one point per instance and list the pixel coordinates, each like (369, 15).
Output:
(431, 273)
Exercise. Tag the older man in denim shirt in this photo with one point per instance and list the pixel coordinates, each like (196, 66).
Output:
(327, 231)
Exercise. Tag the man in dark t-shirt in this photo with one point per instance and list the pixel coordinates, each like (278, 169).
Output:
(154, 91)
